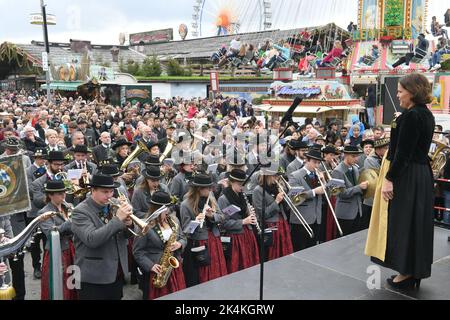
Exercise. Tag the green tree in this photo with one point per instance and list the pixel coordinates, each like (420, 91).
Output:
(174, 68)
(151, 67)
(122, 67)
(133, 67)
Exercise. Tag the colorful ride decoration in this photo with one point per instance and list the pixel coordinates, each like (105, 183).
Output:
(393, 26)
(400, 19)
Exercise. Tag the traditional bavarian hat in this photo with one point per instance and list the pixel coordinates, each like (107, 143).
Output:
(314, 154)
(297, 144)
(161, 198)
(103, 181)
(111, 170)
(121, 142)
(56, 156)
(329, 149)
(55, 186)
(152, 172)
(153, 160)
(380, 143)
(81, 149)
(352, 150)
(237, 175)
(40, 153)
(367, 142)
(12, 143)
(202, 181)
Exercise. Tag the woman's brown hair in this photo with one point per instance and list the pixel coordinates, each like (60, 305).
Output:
(193, 196)
(419, 87)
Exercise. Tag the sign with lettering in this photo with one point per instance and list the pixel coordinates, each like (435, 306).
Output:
(149, 37)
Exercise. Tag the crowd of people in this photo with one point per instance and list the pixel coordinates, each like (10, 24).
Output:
(200, 188)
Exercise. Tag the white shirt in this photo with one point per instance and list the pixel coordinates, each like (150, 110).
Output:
(166, 233)
(235, 45)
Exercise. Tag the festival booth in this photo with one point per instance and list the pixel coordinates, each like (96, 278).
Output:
(324, 100)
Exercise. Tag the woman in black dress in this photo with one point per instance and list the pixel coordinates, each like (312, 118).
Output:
(409, 187)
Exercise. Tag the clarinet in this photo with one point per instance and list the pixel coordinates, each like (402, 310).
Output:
(250, 208)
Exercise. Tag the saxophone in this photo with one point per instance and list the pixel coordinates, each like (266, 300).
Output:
(167, 262)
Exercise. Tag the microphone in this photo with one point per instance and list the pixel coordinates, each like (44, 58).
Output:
(288, 116)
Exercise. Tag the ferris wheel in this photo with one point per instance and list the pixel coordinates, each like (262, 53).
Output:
(224, 17)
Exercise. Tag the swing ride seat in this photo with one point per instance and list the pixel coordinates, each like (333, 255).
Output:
(419, 56)
(369, 61)
(335, 62)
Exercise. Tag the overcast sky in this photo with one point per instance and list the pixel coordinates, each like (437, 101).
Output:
(102, 21)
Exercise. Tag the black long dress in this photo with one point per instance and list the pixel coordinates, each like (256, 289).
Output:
(410, 220)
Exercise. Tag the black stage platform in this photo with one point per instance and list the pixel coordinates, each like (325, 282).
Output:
(335, 270)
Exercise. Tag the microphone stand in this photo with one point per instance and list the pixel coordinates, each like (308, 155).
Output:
(260, 165)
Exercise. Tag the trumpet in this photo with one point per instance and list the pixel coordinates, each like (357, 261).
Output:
(295, 211)
(252, 211)
(143, 226)
(322, 184)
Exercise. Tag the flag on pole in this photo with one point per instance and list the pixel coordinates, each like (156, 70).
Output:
(14, 196)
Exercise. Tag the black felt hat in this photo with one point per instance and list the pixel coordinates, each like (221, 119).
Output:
(352, 150)
(103, 181)
(297, 145)
(202, 181)
(314, 154)
(237, 175)
(153, 160)
(40, 153)
(55, 186)
(81, 149)
(121, 142)
(152, 172)
(161, 198)
(367, 142)
(111, 170)
(329, 149)
(56, 156)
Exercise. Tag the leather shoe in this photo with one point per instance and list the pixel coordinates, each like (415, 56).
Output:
(37, 274)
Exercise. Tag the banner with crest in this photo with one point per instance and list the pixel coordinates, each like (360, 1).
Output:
(14, 196)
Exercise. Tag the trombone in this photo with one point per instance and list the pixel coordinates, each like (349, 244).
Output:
(297, 199)
(335, 191)
(143, 226)
(295, 210)
(329, 202)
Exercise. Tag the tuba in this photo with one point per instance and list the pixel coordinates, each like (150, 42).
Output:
(167, 262)
(170, 145)
(14, 245)
(439, 158)
(140, 149)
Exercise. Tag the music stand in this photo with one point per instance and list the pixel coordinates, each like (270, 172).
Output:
(263, 219)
